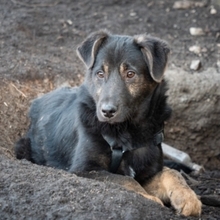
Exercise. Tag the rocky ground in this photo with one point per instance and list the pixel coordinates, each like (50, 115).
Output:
(38, 40)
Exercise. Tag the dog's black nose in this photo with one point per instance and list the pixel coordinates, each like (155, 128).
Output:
(108, 110)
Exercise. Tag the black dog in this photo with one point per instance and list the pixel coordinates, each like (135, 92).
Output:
(114, 120)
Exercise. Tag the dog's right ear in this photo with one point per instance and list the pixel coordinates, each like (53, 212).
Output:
(87, 51)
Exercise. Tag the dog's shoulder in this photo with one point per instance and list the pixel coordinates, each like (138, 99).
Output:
(50, 102)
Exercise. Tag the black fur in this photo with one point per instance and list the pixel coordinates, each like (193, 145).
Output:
(68, 124)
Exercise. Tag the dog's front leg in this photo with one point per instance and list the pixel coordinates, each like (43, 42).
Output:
(125, 181)
(171, 187)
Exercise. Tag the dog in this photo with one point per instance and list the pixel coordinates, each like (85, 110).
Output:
(112, 123)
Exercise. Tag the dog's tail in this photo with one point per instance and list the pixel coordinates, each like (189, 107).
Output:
(23, 149)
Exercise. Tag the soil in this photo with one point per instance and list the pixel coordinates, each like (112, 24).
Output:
(38, 40)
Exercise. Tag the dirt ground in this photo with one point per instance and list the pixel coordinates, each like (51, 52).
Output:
(38, 40)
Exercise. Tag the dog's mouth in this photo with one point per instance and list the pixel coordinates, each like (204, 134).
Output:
(110, 120)
(111, 117)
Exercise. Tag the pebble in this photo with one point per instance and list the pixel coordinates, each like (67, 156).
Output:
(200, 4)
(69, 22)
(196, 31)
(195, 65)
(195, 49)
(213, 11)
(204, 50)
(182, 4)
(188, 4)
(132, 14)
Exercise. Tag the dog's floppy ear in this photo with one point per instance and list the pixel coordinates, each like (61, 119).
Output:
(87, 51)
(155, 53)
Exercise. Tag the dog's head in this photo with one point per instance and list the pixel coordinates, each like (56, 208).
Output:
(122, 73)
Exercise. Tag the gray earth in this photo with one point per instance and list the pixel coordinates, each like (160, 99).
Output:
(38, 40)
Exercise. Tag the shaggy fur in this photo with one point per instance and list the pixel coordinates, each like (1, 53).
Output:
(69, 126)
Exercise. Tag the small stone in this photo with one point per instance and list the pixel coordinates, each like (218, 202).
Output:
(195, 49)
(196, 31)
(195, 65)
(188, 4)
(182, 4)
(167, 9)
(132, 14)
(213, 11)
(200, 4)
(204, 50)
(218, 66)
(69, 22)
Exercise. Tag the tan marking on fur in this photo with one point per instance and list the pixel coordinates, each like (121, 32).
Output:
(125, 181)
(166, 186)
(134, 186)
(133, 89)
(106, 68)
(170, 186)
(150, 61)
(122, 68)
(138, 86)
(98, 92)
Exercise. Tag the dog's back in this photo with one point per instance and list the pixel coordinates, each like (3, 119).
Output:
(48, 114)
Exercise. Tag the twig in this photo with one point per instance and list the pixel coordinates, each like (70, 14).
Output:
(19, 90)
(34, 5)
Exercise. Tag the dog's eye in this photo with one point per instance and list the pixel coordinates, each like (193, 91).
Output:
(100, 74)
(130, 74)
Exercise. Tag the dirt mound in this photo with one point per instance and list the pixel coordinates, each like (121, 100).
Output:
(195, 99)
(32, 191)
(38, 40)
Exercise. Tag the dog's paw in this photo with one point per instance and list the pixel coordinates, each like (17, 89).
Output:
(185, 201)
(153, 198)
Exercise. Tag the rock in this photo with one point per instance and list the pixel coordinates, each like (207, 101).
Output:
(188, 4)
(195, 49)
(213, 11)
(196, 31)
(218, 66)
(183, 4)
(69, 22)
(200, 4)
(195, 65)
(204, 50)
(132, 14)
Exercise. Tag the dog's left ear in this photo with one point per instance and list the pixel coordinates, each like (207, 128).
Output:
(88, 50)
(155, 52)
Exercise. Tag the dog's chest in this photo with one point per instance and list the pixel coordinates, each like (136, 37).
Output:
(118, 141)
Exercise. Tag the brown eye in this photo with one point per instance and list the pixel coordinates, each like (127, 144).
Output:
(130, 74)
(100, 74)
